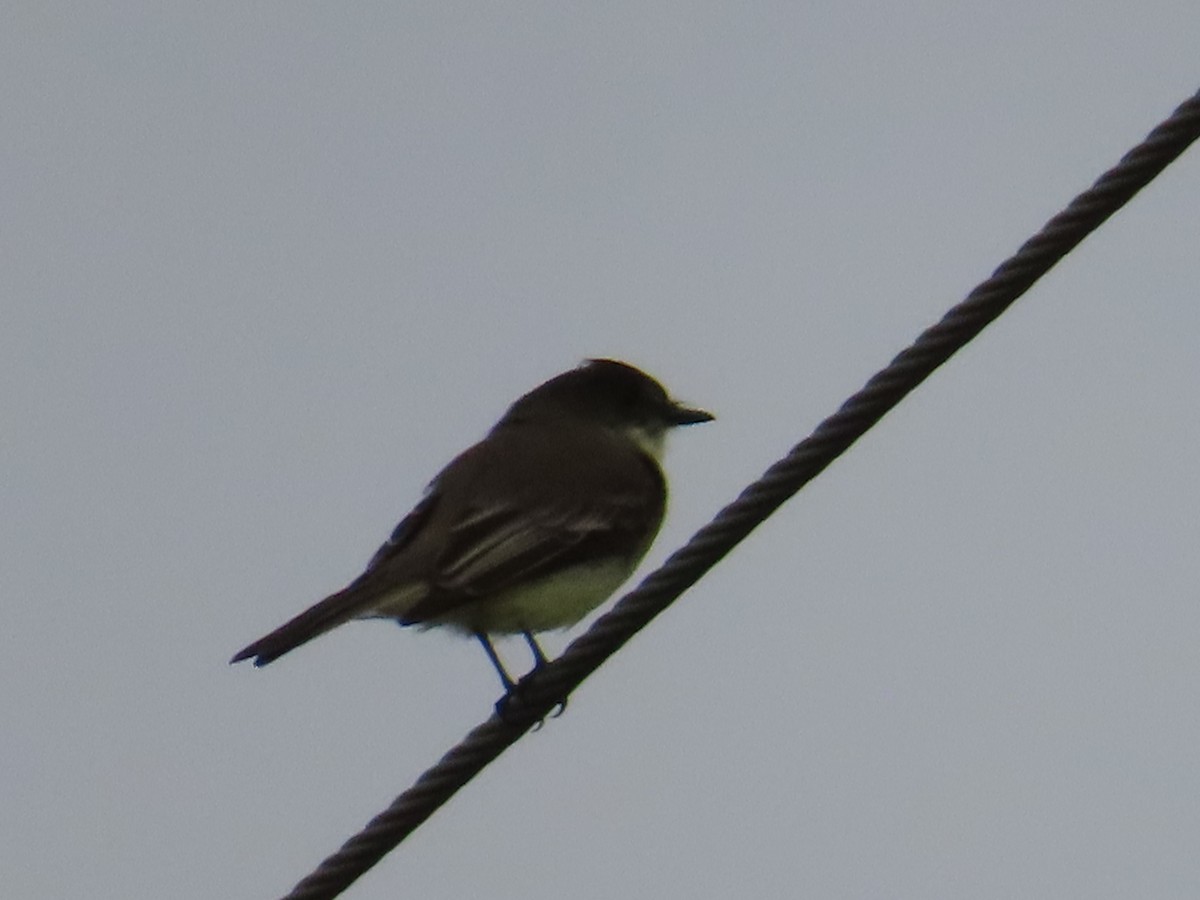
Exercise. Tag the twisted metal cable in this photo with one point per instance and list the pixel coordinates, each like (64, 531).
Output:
(543, 689)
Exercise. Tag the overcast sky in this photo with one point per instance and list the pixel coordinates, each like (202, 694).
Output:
(265, 268)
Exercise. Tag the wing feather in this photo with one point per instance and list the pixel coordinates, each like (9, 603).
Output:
(492, 550)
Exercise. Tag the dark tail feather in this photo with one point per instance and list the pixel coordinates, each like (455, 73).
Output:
(313, 622)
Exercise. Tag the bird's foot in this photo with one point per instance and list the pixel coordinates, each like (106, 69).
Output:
(514, 695)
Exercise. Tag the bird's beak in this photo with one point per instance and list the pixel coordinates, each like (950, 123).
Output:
(678, 414)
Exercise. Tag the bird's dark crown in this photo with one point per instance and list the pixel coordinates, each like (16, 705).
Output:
(605, 390)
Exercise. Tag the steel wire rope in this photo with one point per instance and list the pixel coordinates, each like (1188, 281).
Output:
(542, 690)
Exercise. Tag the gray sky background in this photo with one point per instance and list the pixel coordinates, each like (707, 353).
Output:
(265, 268)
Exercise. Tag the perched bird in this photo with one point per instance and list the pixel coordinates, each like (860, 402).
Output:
(527, 531)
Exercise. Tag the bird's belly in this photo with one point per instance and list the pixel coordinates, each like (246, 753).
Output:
(558, 601)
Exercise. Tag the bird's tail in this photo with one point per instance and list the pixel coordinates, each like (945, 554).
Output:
(313, 622)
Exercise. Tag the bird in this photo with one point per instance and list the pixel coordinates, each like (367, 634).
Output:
(528, 530)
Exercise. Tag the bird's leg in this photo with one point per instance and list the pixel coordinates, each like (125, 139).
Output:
(505, 678)
(539, 660)
(511, 687)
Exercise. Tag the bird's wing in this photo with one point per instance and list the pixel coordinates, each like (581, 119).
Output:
(410, 526)
(496, 546)
(472, 537)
